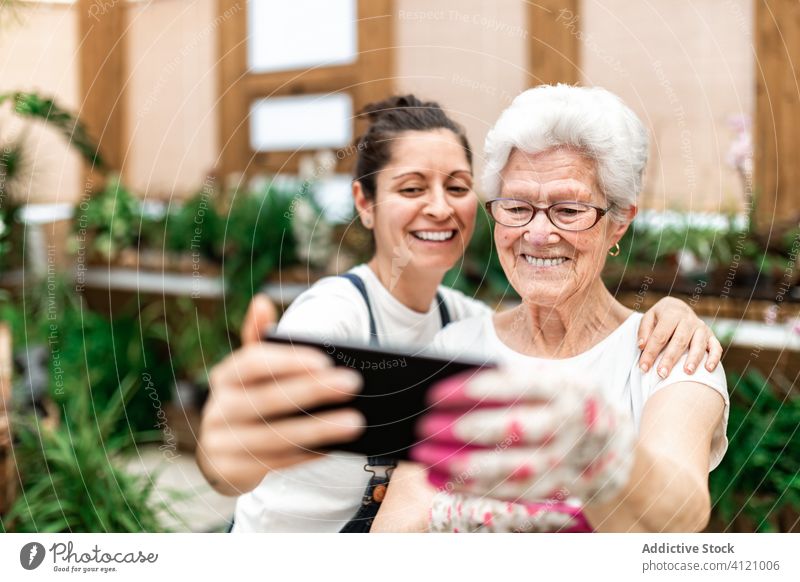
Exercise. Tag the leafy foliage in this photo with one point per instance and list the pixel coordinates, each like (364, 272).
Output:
(111, 215)
(759, 476)
(71, 475)
(35, 106)
(258, 240)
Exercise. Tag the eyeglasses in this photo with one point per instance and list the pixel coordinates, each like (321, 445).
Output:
(572, 216)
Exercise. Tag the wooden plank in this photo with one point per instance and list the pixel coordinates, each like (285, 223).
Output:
(322, 80)
(777, 123)
(553, 45)
(102, 76)
(234, 157)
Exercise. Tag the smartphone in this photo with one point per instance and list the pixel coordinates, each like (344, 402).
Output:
(393, 397)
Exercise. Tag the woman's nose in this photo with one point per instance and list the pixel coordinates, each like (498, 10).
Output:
(540, 230)
(438, 206)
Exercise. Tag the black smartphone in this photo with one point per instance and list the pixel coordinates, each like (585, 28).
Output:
(393, 397)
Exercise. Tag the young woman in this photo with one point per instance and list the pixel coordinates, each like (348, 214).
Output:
(413, 189)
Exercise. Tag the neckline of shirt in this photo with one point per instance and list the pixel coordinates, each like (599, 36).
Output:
(395, 304)
(596, 347)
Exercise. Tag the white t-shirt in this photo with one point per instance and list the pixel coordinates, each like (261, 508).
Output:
(613, 362)
(324, 494)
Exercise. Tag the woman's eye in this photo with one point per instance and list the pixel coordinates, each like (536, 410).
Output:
(411, 191)
(458, 189)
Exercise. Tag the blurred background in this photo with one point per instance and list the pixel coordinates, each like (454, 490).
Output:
(163, 160)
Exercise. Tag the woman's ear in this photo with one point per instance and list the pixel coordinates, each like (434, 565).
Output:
(620, 229)
(364, 206)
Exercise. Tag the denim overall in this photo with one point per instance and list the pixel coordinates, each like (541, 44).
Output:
(380, 467)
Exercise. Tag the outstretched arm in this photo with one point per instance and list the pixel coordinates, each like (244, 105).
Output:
(668, 485)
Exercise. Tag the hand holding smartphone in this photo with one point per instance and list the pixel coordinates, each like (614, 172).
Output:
(394, 393)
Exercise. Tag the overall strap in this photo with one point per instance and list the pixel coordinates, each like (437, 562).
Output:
(444, 314)
(359, 284)
(381, 469)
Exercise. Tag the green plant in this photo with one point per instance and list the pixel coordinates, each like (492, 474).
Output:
(195, 226)
(760, 474)
(258, 240)
(192, 341)
(714, 243)
(35, 106)
(71, 476)
(112, 216)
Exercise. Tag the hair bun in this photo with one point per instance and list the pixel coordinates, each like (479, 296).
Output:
(374, 111)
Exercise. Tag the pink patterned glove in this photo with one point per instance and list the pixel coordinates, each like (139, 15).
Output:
(453, 513)
(521, 435)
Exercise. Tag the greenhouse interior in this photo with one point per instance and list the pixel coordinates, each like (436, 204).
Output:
(179, 176)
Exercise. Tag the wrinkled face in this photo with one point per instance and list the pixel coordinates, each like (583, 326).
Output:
(544, 264)
(424, 211)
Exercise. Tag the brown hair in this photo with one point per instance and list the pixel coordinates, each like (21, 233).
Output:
(387, 119)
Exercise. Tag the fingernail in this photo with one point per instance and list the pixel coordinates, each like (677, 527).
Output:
(690, 368)
(662, 372)
(438, 427)
(318, 361)
(350, 418)
(641, 342)
(644, 367)
(348, 381)
(450, 390)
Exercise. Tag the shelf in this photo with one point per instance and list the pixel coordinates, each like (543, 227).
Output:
(197, 286)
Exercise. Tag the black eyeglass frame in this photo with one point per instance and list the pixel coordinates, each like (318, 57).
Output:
(601, 212)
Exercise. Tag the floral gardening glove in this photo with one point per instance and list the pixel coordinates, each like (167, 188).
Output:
(522, 436)
(459, 513)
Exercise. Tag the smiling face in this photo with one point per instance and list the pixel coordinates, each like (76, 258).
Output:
(544, 264)
(423, 214)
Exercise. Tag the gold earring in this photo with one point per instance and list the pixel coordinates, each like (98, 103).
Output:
(614, 251)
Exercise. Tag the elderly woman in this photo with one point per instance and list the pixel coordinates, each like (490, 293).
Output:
(569, 432)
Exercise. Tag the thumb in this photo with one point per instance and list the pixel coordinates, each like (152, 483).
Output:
(260, 316)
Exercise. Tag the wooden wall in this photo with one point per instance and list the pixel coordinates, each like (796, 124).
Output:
(777, 123)
(553, 46)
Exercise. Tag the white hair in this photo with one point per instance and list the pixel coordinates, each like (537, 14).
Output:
(590, 119)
